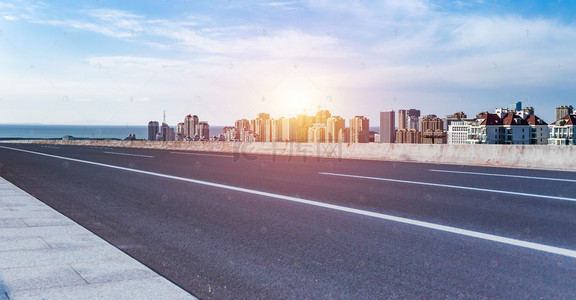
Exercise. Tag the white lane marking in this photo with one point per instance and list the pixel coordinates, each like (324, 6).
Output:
(503, 175)
(455, 230)
(128, 154)
(453, 186)
(203, 154)
(51, 147)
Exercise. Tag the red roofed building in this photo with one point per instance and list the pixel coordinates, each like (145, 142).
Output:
(539, 132)
(487, 129)
(516, 130)
(562, 132)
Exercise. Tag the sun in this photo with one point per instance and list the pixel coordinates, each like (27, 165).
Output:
(297, 101)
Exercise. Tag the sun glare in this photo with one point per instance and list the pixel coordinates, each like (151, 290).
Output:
(297, 101)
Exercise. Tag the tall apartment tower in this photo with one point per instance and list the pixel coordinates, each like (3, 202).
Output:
(322, 116)
(289, 129)
(317, 133)
(413, 119)
(359, 130)
(203, 130)
(153, 129)
(387, 127)
(260, 125)
(333, 126)
(564, 110)
(433, 130)
(242, 124)
(402, 115)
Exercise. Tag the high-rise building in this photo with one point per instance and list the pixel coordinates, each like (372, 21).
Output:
(304, 123)
(344, 135)
(242, 124)
(408, 136)
(276, 130)
(432, 130)
(359, 130)
(259, 127)
(563, 111)
(333, 126)
(289, 129)
(413, 119)
(263, 116)
(203, 130)
(387, 127)
(153, 129)
(322, 116)
(267, 130)
(190, 124)
(180, 129)
(166, 133)
(317, 133)
(402, 119)
(456, 117)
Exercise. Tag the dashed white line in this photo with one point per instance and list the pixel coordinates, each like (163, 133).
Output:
(202, 154)
(504, 175)
(453, 186)
(459, 231)
(128, 154)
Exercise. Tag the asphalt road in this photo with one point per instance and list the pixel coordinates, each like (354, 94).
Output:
(246, 227)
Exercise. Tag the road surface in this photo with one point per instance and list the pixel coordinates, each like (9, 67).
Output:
(225, 226)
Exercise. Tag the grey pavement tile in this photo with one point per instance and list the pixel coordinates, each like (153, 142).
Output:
(13, 244)
(9, 199)
(22, 279)
(43, 231)
(37, 222)
(22, 213)
(12, 222)
(158, 288)
(75, 241)
(59, 256)
(45, 255)
(112, 271)
(12, 203)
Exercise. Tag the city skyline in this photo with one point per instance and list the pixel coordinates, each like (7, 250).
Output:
(102, 62)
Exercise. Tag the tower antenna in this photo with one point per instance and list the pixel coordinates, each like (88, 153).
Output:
(164, 120)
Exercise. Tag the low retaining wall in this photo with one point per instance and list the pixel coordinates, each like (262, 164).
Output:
(525, 156)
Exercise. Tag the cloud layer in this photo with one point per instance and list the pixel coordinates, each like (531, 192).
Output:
(232, 61)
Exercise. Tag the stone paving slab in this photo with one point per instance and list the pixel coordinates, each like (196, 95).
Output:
(45, 255)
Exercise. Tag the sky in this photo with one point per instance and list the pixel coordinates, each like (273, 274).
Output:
(107, 62)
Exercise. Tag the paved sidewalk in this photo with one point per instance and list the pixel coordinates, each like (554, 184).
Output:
(45, 255)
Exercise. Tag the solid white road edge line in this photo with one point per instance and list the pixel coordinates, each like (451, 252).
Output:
(503, 175)
(128, 154)
(453, 186)
(464, 232)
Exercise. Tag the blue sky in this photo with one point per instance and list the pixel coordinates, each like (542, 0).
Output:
(125, 62)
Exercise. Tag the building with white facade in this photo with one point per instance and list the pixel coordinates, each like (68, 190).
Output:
(539, 131)
(562, 132)
(458, 132)
(487, 129)
(516, 130)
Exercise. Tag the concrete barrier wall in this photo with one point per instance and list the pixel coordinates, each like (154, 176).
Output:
(526, 156)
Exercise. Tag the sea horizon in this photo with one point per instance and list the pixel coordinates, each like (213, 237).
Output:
(58, 131)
